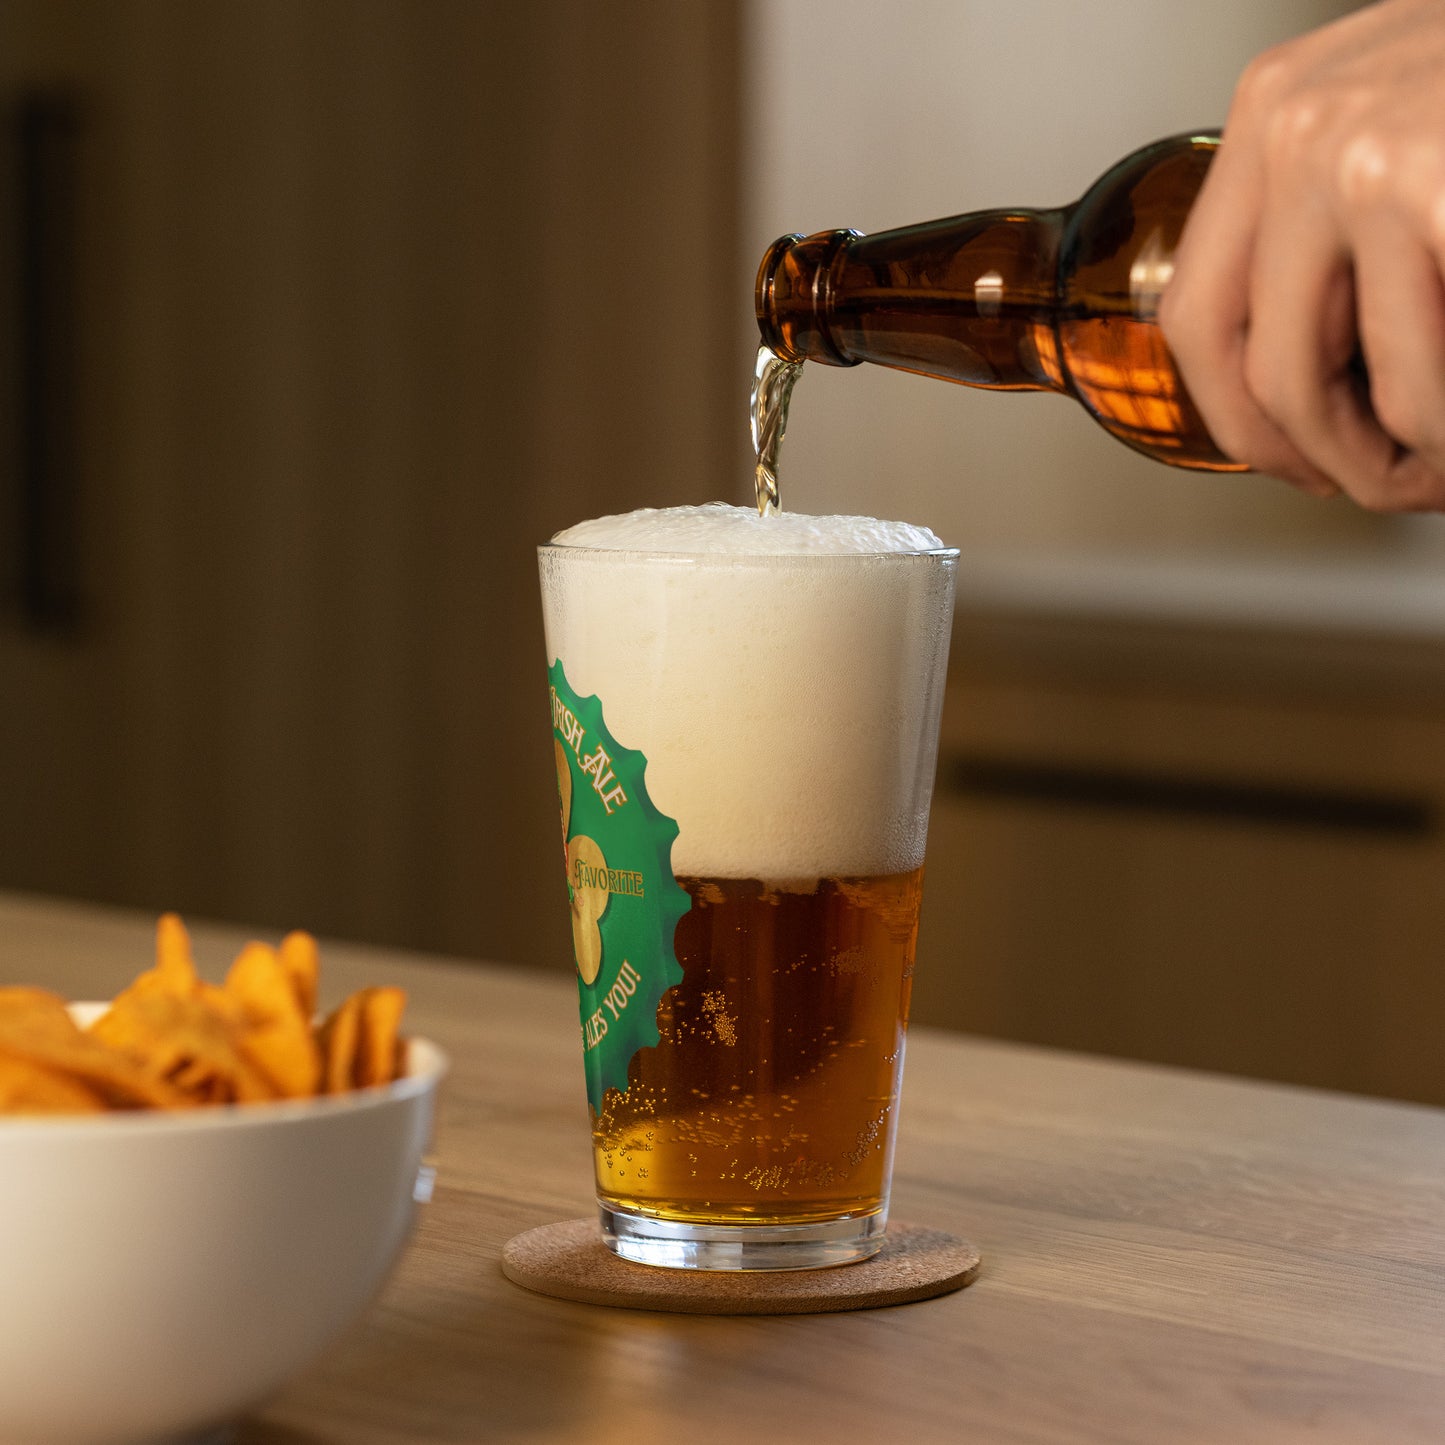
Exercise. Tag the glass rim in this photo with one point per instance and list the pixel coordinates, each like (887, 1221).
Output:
(913, 554)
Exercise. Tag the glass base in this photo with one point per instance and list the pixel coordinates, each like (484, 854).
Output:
(663, 1242)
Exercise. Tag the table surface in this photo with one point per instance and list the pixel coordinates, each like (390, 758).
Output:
(1168, 1257)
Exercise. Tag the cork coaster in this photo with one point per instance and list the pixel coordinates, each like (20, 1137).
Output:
(569, 1261)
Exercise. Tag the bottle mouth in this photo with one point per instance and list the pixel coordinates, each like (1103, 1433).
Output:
(793, 297)
(765, 298)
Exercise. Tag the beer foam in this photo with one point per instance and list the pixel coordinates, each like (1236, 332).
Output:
(785, 691)
(717, 529)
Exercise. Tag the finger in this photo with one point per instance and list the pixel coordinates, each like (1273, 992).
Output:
(1401, 302)
(1205, 318)
(1302, 334)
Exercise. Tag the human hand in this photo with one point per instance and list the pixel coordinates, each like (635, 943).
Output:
(1319, 237)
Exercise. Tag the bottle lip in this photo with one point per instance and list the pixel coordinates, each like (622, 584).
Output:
(806, 300)
(764, 297)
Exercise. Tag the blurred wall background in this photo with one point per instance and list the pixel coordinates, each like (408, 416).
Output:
(368, 298)
(316, 317)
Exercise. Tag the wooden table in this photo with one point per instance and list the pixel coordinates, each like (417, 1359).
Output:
(1168, 1257)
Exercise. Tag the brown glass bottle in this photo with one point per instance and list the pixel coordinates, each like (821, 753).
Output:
(1061, 300)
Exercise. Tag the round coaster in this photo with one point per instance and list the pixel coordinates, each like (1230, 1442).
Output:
(569, 1261)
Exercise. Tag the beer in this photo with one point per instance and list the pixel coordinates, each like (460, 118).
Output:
(771, 1093)
(773, 381)
(1062, 300)
(745, 715)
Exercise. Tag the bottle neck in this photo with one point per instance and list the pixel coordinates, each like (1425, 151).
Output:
(969, 299)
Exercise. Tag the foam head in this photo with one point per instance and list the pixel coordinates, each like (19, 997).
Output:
(717, 529)
(783, 676)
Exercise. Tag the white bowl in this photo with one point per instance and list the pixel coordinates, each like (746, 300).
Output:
(162, 1273)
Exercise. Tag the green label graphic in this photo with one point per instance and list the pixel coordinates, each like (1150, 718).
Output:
(625, 901)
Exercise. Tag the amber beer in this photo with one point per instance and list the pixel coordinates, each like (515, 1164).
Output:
(771, 1096)
(770, 688)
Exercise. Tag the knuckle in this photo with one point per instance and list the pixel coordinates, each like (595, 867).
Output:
(1366, 168)
(1294, 126)
(1264, 79)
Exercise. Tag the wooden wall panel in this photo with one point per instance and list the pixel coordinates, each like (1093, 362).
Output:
(378, 296)
(1240, 881)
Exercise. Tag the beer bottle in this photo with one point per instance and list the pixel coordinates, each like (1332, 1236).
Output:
(1056, 300)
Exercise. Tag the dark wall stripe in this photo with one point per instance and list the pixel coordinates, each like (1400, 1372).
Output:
(47, 564)
(1179, 795)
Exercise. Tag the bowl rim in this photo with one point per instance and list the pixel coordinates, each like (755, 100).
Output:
(427, 1064)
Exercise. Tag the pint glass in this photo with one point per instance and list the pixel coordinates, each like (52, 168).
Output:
(745, 744)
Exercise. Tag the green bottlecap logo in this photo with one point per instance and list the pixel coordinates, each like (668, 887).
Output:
(625, 901)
